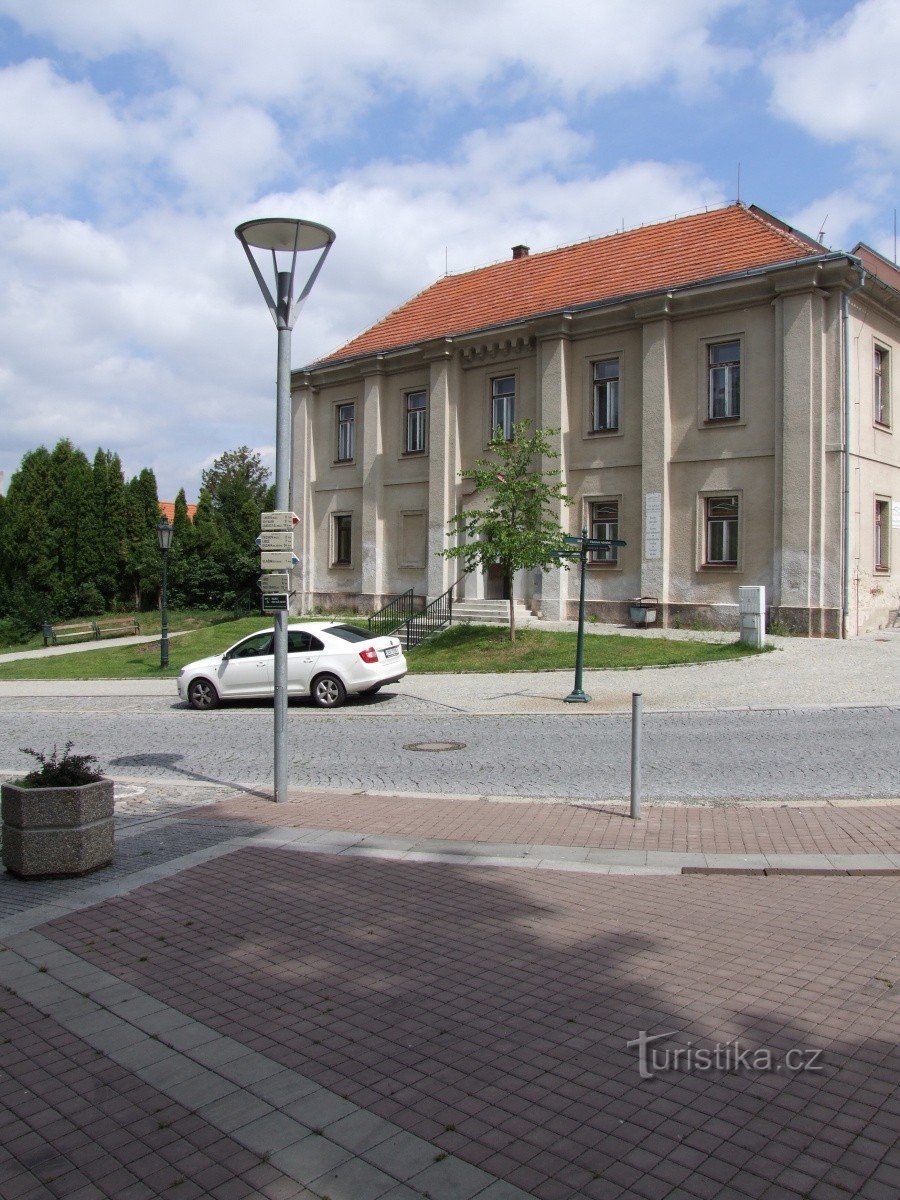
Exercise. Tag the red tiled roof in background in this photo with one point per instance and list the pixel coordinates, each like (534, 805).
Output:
(167, 509)
(654, 257)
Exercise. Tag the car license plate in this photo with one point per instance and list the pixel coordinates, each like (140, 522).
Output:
(392, 652)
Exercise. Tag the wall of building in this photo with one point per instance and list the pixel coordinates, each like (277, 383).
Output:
(781, 457)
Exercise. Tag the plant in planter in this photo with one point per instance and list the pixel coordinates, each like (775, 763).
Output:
(58, 819)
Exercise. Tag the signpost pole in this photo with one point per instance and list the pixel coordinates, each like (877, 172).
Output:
(282, 501)
(578, 694)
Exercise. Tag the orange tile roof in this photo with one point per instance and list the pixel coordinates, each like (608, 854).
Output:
(167, 508)
(652, 258)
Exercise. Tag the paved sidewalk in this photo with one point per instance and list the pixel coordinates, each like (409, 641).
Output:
(84, 647)
(359, 997)
(798, 673)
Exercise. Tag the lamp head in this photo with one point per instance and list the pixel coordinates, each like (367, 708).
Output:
(164, 534)
(285, 238)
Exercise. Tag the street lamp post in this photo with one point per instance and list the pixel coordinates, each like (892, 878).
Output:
(285, 239)
(164, 541)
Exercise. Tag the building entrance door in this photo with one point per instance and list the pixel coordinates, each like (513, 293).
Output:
(496, 586)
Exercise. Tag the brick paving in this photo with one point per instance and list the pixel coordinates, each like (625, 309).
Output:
(763, 829)
(77, 1126)
(488, 1012)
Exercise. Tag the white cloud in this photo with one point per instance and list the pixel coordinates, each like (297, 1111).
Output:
(151, 336)
(329, 58)
(843, 84)
(839, 214)
(51, 130)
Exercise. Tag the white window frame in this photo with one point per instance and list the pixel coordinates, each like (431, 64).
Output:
(416, 422)
(730, 527)
(726, 372)
(337, 520)
(881, 535)
(503, 406)
(346, 431)
(605, 396)
(881, 386)
(604, 526)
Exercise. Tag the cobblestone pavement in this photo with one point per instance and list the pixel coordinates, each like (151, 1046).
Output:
(686, 756)
(276, 1023)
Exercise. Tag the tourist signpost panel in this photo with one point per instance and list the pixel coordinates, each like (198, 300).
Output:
(277, 559)
(581, 547)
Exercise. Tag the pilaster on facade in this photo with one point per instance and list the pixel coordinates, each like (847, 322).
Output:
(443, 467)
(372, 543)
(803, 433)
(656, 436)
(553, 406)
(302, 481)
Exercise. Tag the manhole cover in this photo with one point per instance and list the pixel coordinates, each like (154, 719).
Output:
(435, 747)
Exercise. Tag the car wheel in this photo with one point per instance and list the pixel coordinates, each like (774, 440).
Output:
(328, 691)
(202, 694)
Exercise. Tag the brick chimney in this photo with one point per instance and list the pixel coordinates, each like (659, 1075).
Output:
(520, 251)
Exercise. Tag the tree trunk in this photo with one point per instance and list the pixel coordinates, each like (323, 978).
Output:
(512, 610)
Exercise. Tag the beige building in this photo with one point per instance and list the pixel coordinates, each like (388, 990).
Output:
(722, 390)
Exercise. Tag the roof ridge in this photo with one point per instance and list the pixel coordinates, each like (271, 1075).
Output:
(594, 238)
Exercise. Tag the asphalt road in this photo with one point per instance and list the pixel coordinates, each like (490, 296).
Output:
(732, 755)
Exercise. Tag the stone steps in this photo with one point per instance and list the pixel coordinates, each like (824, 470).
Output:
(487, 612)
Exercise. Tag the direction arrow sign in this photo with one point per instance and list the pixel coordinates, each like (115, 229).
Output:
(278, 520)
(598, 545)
(278, 560)
(272, 585)
(276, 541)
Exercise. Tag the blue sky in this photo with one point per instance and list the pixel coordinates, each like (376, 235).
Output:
(134, 137)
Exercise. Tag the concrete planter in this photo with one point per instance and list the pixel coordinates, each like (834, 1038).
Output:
(52, 833)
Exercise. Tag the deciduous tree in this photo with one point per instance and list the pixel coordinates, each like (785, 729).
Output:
(516, 527)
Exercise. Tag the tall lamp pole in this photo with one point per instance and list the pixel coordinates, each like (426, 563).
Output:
(164, 541)
(284, 239)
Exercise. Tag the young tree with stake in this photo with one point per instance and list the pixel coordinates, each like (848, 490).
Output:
(516, 528)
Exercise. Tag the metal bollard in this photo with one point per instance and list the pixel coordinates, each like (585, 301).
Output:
(636, 705)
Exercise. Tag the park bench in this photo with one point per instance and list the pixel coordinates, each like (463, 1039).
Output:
(82, 631)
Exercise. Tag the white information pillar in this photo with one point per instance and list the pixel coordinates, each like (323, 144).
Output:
(752, 603)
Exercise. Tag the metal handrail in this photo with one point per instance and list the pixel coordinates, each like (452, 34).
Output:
(433, 617)
(394, 614)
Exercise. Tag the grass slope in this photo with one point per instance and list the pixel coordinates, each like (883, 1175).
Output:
(487, 649)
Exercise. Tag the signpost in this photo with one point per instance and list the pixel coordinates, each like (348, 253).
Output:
(278, 560)
(276, 541)
(581, 548)
(273, 584)
(273, 521)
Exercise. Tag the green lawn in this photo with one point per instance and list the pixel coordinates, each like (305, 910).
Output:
(486, 648)
(136, 662)
(148, 621)
(460, 649)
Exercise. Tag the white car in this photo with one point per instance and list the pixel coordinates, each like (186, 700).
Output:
(327, 661)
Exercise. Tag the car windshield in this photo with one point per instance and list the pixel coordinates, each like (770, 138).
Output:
(349, 633)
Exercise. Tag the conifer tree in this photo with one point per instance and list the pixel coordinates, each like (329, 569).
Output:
(143, 566)
(107, 526)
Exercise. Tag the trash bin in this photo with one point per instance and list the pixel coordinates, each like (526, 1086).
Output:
(643, 610)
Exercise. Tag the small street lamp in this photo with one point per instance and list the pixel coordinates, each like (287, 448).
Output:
(164, 541)
(284, 239)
